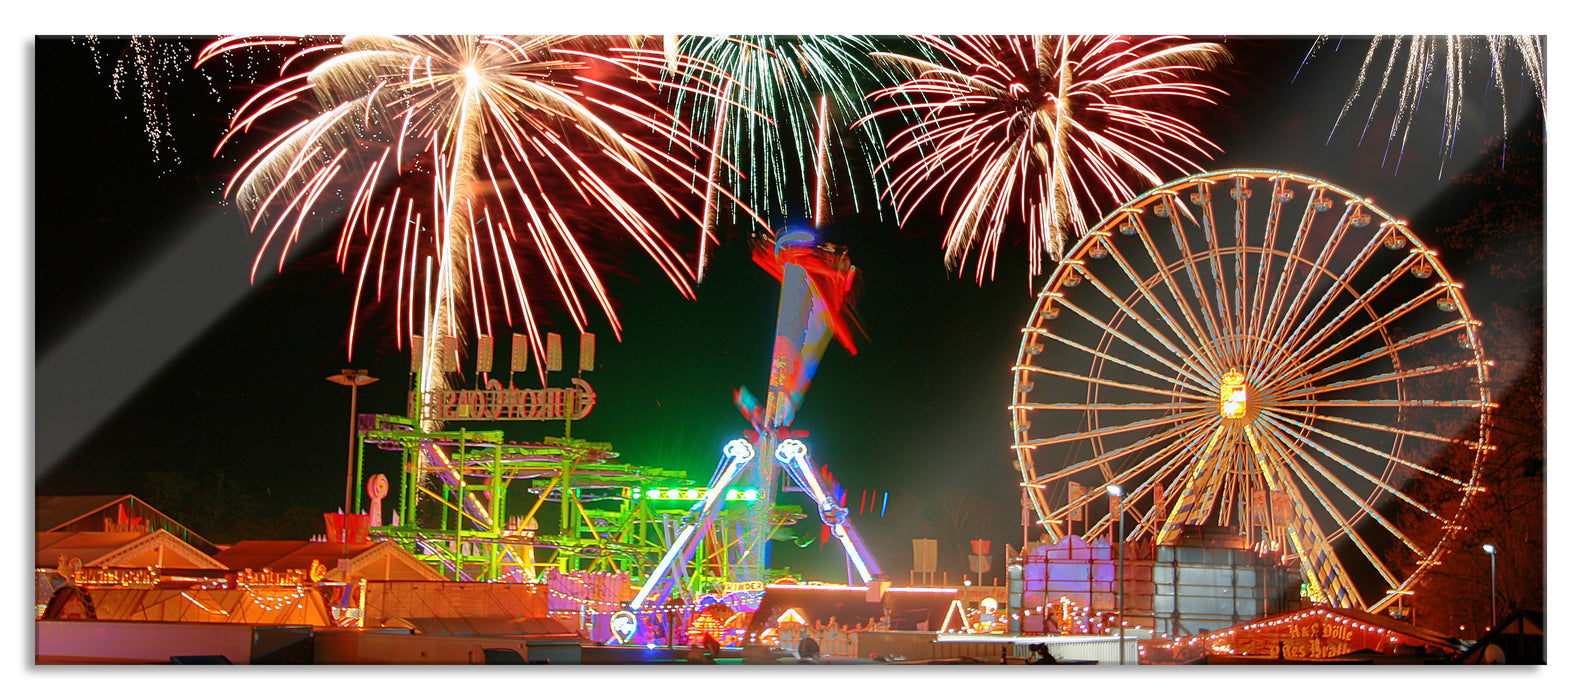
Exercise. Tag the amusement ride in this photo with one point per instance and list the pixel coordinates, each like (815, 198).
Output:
(1261, 351)
(453, 497)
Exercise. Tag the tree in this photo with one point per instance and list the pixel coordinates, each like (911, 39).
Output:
(1502, 236)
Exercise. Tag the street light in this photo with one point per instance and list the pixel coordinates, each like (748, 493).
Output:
(353, 379)
(1120, 571)
(1493, 601)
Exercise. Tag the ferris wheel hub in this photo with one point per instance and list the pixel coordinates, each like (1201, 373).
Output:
(1233, 395)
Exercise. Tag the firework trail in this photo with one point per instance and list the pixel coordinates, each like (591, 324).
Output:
(147, 66)
(1046, 127)
(756, 100)
(453, 151)
(1420, 58)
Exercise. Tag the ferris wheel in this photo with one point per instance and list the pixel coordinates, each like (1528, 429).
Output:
(1265, 353)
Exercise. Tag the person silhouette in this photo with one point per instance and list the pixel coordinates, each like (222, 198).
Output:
(1041, 654)
(808, 648)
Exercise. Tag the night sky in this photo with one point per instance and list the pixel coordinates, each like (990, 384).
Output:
(152, 353)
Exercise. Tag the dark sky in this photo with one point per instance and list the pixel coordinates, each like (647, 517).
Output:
(154, 354)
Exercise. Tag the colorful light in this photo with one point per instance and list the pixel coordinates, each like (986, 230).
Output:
(1421, 58)
(455, 149)
(1233, 395)
(1042, 128)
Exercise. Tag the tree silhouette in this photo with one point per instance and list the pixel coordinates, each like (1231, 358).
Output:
(1502, 236)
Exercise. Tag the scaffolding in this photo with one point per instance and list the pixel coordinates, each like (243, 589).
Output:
(454, 507)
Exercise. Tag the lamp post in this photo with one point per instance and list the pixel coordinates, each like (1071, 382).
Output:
(353, 379)
(1120, 570)
(1493, 599)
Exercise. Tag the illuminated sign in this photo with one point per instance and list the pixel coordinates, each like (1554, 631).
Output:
(499, 403)
(730, 587)
(1314, 639)
(623, 625)
(289, 577)
(689, 493)
(96, 576)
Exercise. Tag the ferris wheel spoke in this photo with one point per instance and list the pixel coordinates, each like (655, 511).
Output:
(1294, 429)
(1342, 283)
(1104, 406)
(1170, 284)
(1113, 332)
(1266, 254)
(1376, 325)
(1288, 268)
(1176, 463)
(1381, 403)
(1204, 198)
(1197, 483)
(1393, 430)
(1405, 463)
(1241, 194)
(1173, 458)
(1288, 274)
(1205, 305)
(1381, 378)
(1320, 265)
(1359, 304)
(1319, 560)
(1281, 433)
(1164, 437)
(1143, 290)
(1243, 490)
(1111, 358)
(1112, 430)
(1378, 353)
(1106, 382)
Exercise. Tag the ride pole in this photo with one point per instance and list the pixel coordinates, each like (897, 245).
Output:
(1120, 572)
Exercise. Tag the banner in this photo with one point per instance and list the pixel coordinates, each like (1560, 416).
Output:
(485, 353)
(979, 563)
(925, 555)
(449, 357)
(553, 353)
(1074, 494)
(585, 357)
(518, 352)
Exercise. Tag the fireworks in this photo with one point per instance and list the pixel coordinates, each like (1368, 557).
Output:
(147, 66)
(455, 152)
(1046, 127)
(1420, 58)
(756, 99)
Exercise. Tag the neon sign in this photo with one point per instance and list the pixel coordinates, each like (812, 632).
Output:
(289, 577)
(690, 493)
(499, 403)
(115, 577)
(623, 625)
(730, 587)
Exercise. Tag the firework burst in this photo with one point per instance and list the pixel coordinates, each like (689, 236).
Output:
(757, 100)
(1421, 58)
(461, 152)
(1046, 127)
